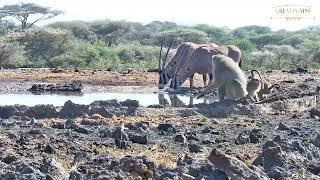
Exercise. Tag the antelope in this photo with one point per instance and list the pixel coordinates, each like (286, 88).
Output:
(184, 51)
(200, 62)
(182, 54)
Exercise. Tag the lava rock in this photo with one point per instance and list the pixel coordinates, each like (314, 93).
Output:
(49, 149)
(70, 124)
(249, 136)
(7, 111)
(58, 125)
(277, 172)
(103, 111)
(283, 127)
(54, 169)
(66, 86)
(9, 159)
(106, 103)
(140, 168)
(167, 128)
(194, 148)
(138, 138)
(314, 113)
(82, 130)
(180, 138)
(316, 141)
(75, 175)
(271, 156)
(233, 167)
(72, 110)
(130, 103)
(206, 130)
(42, 111)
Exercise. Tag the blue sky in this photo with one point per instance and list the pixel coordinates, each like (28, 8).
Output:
(230, 13)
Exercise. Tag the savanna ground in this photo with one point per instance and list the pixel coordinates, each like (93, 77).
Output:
(84, 148)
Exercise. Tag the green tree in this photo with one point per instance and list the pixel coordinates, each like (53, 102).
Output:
(283, 54)
(182, 35)
(44, 44)
(243, 44)
(112, 32)
(12, 54)
(79, 29)
(23, 12)
(267, 39)
(215, 34)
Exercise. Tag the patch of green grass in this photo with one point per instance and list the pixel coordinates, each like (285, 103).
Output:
(307, 141)
(204, 119)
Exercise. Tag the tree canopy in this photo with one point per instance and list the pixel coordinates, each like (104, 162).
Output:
(23, 12)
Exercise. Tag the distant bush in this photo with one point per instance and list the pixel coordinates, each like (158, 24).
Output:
(107, 43)
(12, 55)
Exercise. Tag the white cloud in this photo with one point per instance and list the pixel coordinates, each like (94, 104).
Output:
(231, 13)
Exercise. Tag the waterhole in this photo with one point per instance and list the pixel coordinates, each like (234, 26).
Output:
(145, 99)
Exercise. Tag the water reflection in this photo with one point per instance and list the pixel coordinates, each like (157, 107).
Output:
(61, 93)
(59, 98)
(183, 100)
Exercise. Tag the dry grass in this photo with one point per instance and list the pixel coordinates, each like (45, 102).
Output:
(158, 156)
(247, 152)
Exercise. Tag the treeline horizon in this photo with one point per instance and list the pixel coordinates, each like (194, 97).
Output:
(120, 43)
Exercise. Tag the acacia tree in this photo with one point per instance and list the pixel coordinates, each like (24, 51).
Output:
(283, 52)
(24, 12)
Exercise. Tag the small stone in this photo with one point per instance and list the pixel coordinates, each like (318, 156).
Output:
(82, 130)
(180, 138)
(215, 132)
(75, 175)
(187, 159)
(276, 172)
(195, 148)
(139, 138)
(316, 141)
(271, 156)
(283, 127)
(54, 169)
(140, 168)
(70, 124)
(35, 131)
(9, 159)
(58, 126)
(167, 128)
(295, 116)
(49, 149)
(206, 130)
(314, 113)
(207, 141)
(193, 137)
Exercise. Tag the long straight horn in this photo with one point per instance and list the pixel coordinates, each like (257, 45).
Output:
(165, 58)
(160, 55)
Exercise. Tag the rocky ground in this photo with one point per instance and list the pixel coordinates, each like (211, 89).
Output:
(277, 139)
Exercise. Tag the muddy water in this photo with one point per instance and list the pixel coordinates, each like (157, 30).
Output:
(144, 99)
